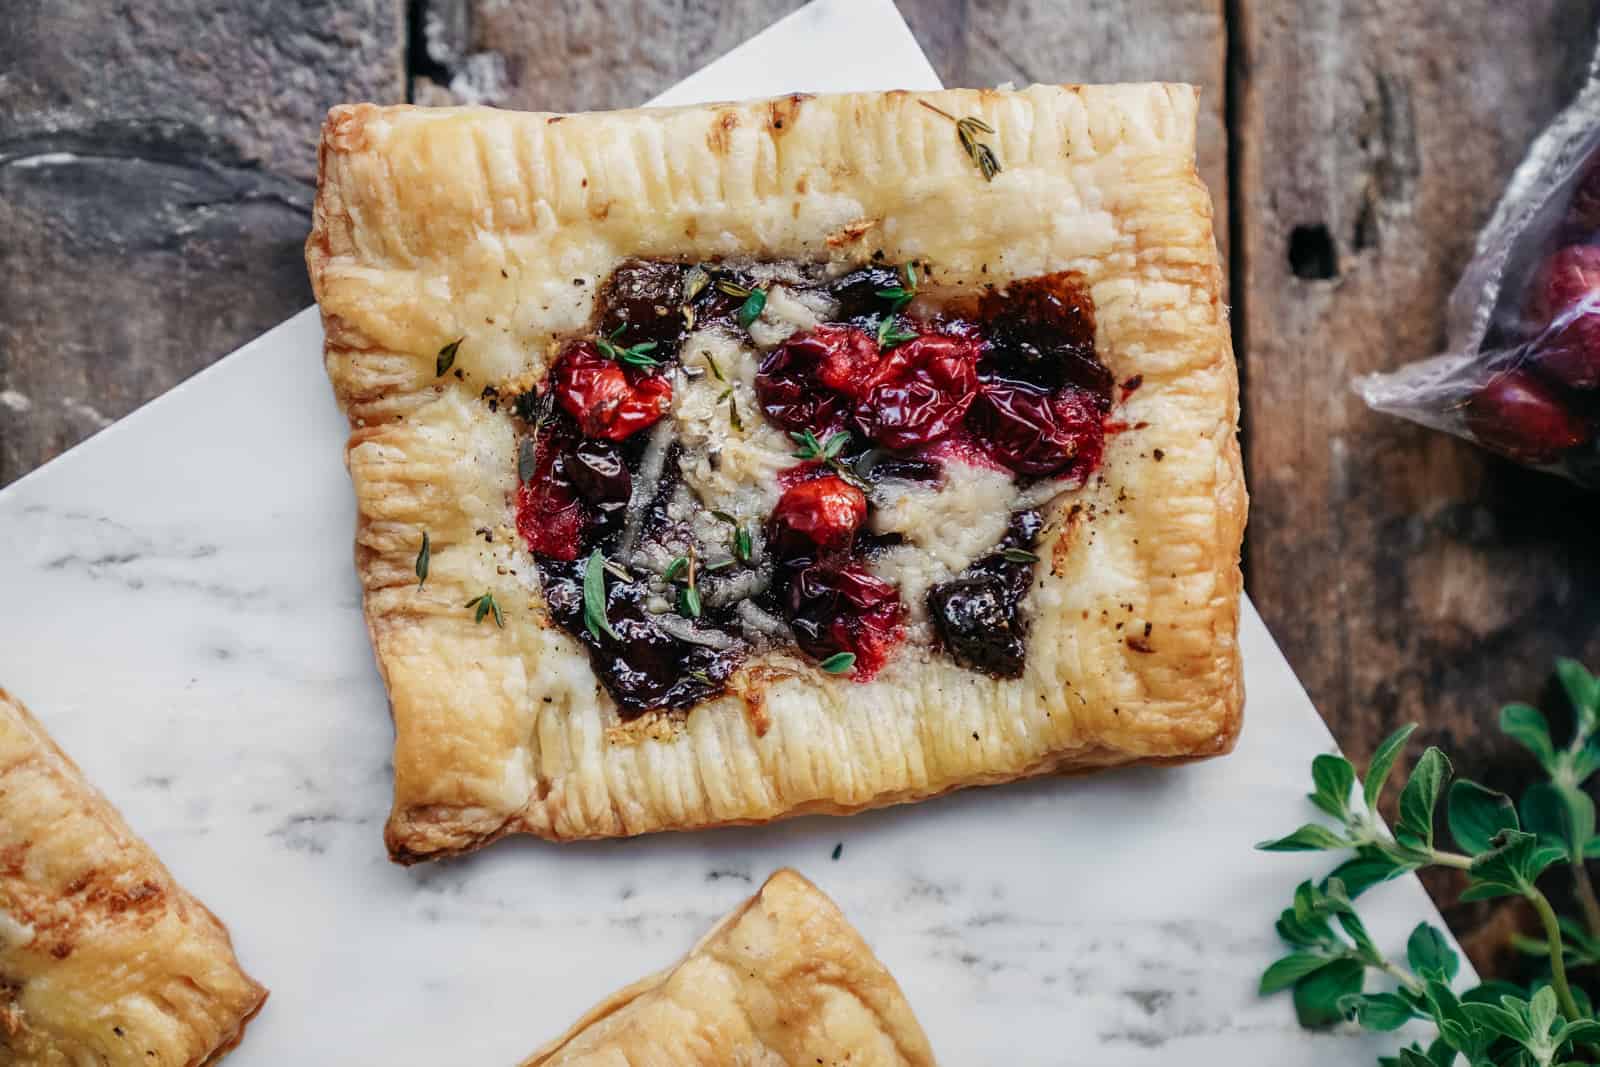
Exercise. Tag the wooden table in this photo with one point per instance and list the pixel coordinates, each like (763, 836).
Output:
(156, 169)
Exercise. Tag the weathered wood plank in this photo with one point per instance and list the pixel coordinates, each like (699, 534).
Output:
(1408, 576)
(156, 164)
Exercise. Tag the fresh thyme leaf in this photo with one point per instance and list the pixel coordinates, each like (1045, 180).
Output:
(618, 570)
(447, 358)
(1019, 555)
(733, 413)
(839, 662)
(742, 547)
(901, 295)
(689, 602)
(716, 371)
(810, 447)
(732, 288)
(911, 275)
(702, 677)
(889, 334)
(835, 444)
(967, 131)
(424, 554)
(485, 603)
(723, 516)
(720, 565)
(634, 356)
(594, 597)
(678, 565)
(750, 311)
(838, 850)
(694, 283)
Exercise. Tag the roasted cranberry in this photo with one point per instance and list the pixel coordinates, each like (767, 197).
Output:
(1517, 414)
(603, 397)
(599, 474)
(1565, 302)
(550, 516)
(1041, 331)
(978, 614)
(644, 298)
(919, 392)
(1033, 431)
(857, 292)
(834, 607)
(821, 513)
(790, 380)
(642, 667)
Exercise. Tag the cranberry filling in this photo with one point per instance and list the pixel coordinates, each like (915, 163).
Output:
(606, 400)
(1015, 385)
(919, 392)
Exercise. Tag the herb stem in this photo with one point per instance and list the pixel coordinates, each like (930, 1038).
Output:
(1449, 859)
(1558, 964)
(1586, 898)
(1401, 975)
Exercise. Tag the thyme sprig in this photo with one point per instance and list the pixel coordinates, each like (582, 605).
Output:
(633, 355)
(890, 333)
(485, 603)
(446, 358)
(594, 597)
(901, 295)
(967, 131)
(1505, 849)
(811, 448)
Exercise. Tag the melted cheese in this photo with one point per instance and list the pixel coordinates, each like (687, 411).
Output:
(945, 528)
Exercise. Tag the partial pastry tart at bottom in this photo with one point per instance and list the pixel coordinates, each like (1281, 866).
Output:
(784, 980)
(104, 959)
(723, 463)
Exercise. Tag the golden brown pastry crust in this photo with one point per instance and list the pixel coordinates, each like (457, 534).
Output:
(103, 957)
(784, 980)
(494, 227)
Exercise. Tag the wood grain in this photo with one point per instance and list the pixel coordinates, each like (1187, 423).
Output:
(1409, 576)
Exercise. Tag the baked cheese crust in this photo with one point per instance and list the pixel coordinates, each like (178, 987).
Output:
(496, 228)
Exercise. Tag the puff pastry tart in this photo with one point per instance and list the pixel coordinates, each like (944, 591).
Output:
(784, 980)
(104, 959)
(723, 463)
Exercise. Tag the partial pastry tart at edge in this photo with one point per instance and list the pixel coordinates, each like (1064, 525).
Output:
(104, 958)
(784, 979)
(723, 463)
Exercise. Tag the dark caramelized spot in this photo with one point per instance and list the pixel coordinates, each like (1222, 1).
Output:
(645, 298)
(857, 292)
(1041, 331)
(978, 613)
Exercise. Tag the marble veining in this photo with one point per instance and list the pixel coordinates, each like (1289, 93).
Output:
(181, 611)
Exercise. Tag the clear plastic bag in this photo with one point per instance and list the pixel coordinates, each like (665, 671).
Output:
(1522, 373)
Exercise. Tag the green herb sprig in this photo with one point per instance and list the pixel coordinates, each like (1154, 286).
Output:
(901, 295)
(967, 131)
(633, 355)
(839, 662)
(1504, 848)
(594, 597)
(485, 603)
(752, 307)
(446, 358)
(811, 448)
(890, 333)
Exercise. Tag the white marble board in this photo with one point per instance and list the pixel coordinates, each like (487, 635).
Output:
(178, 604)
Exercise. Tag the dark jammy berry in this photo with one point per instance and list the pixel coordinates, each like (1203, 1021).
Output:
(1041, 331)
(919, 392)
(644, 299)
(806, 382)
(857, 292)
(978, 613)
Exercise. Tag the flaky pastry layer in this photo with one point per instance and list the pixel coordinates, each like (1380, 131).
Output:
(104, 959)
(784, 981)
(496, 227)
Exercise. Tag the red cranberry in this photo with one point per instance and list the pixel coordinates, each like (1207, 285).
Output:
(842, 608)
(790, 379)
(1519, 415)
(601, 395)
(822, 513)
(550, 517)
(920, 391)
(1032, 431)
(1565, 299)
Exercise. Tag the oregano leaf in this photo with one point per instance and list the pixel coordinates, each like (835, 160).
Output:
(1317, 996)
(1476, 814)
(1378, 1011)
(1421, 794)
(1289, 970)
(1527, 726)
(1382, 763)
(1429, 954)
(1309, 838)
(1333, 777)
(1583, 690)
